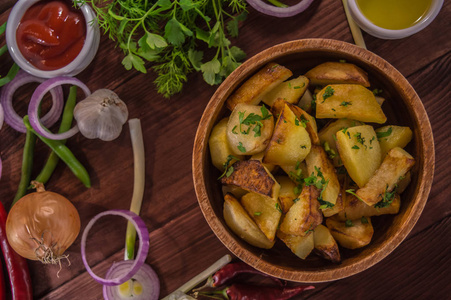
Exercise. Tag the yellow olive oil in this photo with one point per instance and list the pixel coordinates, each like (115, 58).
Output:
(394, 14)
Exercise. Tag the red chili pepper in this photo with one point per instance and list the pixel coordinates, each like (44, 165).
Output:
(231, 270)
(16, 265)
(255, 292)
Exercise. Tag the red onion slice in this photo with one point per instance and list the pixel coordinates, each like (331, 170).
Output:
(280, 12)
(2, 116)
(6, 99)
(36, 100)
(146, 276)
(143, 248)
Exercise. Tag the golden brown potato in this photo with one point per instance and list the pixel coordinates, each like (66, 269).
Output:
(403, 183)
(305, 102)
(317, 161)
(252, 91)
(395, 165)
(337, 72)
(325, 244)
(290, 91)
(259, 156)
(219, 146)
(349, 101)
(249, 129)
(301, 246)
(290, 141)
(351, 234)
(252, 176)
(304, 215)
(242, 225)
(296, 172)
(237, 192)
(360, 152)
(286, 193)
(338, 207)
(355, 209)
(265, 212)
(393, 136)
(328, 135)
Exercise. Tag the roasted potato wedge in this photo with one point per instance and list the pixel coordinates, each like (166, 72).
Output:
(290, 141)
(259, 156)
(351, 101)
(296, 172)
(351, 234)
(330, 211)
(249, 129)
(286, 193)
(395, 165)
(265, 212)
(301, 246)
(253, 90)
(393, 136)
(252, 176)
(304, 215)
(337, 72)
(354, 209)
(305, 103)
(290, 91)
(360, 152)
(237, 192)
(317, 161)
(219, 146)
(242, 224)
(327, 137)
(325, 244)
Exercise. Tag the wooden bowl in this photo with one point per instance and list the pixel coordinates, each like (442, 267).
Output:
(402, 107)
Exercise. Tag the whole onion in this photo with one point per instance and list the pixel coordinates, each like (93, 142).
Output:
(42, 225)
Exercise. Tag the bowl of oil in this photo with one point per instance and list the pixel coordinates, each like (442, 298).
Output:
(389, 19)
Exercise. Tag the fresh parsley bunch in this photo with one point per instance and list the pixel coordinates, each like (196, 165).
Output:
(169, 33)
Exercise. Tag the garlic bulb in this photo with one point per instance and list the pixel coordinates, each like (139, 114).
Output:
(101, 115)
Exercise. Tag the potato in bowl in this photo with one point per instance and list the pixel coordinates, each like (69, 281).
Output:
(402, 107)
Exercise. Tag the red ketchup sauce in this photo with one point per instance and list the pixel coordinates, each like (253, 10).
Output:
(51, 34)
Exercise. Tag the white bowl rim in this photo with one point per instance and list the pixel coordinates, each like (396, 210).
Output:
(80, 62)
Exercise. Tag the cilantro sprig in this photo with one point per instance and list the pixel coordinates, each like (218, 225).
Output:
(168, 34)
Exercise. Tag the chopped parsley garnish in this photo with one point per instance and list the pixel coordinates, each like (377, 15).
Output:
(320, 183)
(296, 121)
(377, 92)
(383, 134)
(241, 147)
(303, 147)
(355, 147)
(304, 121)
(387, 198)
(234, 130)
(296, 200)
(325, 204)
(328, 93)
(228, 169)
(349, 223)
(330, 152)
(257, 213)
(278, 207)
(344, 129)
(309, 230)
(345, 103)
(364, 220)
(253, 119)
(351, 191)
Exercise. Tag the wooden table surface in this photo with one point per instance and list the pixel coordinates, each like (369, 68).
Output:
(182, 244)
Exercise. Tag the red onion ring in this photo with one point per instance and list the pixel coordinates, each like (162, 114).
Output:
(6, 99)
(2, 116)
(143, 248)
(146, 276)
(280, 12)
(36, 100)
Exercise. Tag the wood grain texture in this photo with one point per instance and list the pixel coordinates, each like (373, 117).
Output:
(182, 243)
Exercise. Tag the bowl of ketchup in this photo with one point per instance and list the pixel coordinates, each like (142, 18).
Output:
(48, 38)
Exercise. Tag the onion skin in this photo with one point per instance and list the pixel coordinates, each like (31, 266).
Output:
(42, 217)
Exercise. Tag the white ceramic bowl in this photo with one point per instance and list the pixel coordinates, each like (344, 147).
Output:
(389, 34)
(83, 59)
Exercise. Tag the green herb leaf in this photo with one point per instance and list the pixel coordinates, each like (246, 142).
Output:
(351, 191)
(257, 213)
(364, 220)
(328, 92)
(241, 147)
(134, 61)
(210, 69)
(384, 133)
(349, 223)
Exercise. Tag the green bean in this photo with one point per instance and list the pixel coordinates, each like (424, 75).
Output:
(64, 154)
(66, 123)
(11, 74)
(27, 165)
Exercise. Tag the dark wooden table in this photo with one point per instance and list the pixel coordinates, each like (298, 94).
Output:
(182, 244)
